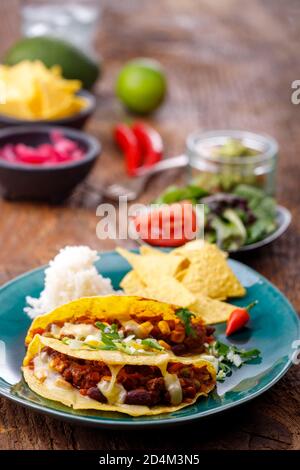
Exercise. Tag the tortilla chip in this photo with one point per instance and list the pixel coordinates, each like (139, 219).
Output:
(149, 250)
(196, 276)
(181, 275)
(132, 283)
(168, 289)
(211, 310)
(150, 266)
(196, 245)
(209, 272)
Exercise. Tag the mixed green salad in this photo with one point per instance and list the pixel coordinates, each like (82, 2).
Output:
(241, 217)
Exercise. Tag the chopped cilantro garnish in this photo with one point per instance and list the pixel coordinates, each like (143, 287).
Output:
(66, 340)
(100, 325)
(230, 357)
(186, 316)
(125, 348)
(108, 347)
(108, 332)
(249, 355)
(152, 343)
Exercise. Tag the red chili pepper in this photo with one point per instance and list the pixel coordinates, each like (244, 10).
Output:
(238, 318)
(150, 143)
(127, 141)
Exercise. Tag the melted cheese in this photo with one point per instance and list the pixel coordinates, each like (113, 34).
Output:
(43, 371)
(174, 388)
(55, 330)
(131, 326)
(172, 384)
(79, 330)
(114, 393)
(41, 366)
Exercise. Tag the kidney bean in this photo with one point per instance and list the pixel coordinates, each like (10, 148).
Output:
(179, 349)
(95, 394)
(139, 396)
(210, 330)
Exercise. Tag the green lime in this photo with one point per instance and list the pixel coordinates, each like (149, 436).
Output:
(75, 64)
(141, 85)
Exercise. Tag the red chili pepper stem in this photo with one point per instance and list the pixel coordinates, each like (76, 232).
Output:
(251, 305)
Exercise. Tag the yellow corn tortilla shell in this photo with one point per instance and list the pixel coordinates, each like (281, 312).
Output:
(208, 272)
(159, 359)
(105, 307)
(71, 396)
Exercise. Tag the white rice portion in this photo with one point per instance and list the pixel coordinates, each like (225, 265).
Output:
(70, 276)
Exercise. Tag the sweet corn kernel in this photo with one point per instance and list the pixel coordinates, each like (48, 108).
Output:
(56, 364)
(144, 329)
(177, 336)
(164, 327)
(164, 344)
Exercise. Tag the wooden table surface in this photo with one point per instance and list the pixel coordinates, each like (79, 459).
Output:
(230, 64)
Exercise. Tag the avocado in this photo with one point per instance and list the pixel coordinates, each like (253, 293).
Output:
(51, 51)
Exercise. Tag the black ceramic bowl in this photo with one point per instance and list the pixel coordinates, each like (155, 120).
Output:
(44, 183)
(76, 121)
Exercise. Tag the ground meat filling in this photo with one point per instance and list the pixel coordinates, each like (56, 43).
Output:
(144, 385)
(81, 374)
(171, 333)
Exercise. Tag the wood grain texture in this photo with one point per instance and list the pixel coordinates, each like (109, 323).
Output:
(228, 67)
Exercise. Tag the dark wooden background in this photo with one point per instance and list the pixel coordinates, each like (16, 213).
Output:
(230, 64)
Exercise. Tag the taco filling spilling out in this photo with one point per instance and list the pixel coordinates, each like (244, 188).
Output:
(120, 353)
(129, 384)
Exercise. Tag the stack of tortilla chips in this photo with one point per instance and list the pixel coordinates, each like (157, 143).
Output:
(196, 276)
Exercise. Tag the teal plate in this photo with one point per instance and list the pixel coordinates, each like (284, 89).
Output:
(274, 326)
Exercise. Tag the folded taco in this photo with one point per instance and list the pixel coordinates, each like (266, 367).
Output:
(112, 380)
(124, 323)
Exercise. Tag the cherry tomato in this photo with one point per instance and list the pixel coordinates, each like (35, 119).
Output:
(168, 225)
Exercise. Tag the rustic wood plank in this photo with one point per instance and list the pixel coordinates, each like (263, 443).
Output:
(228, 67)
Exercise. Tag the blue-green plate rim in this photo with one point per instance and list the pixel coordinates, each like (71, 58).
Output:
(102, 422)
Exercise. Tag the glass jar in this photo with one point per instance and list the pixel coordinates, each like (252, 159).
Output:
(75, 21)
(213, 171)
